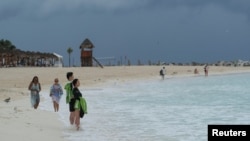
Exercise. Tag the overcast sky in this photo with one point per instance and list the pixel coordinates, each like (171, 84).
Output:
(166, 30)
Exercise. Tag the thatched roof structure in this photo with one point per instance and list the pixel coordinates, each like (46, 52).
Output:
(26, 58)
(11, 56)
(86, 44)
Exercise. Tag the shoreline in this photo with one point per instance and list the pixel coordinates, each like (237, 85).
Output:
(18, 118)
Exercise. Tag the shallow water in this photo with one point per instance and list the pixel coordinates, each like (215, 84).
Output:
(174, 109)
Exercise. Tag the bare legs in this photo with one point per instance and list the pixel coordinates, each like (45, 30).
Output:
(56, 106)
(206, 73)
(37, 103)
(77, 120)
(72, 117)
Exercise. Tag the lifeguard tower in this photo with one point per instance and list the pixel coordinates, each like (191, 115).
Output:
(86, 53)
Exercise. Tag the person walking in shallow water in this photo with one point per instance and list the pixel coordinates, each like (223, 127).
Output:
(55, 93)
(35, 88)
(206, 70)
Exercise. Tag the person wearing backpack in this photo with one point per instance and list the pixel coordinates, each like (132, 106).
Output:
(163, 73)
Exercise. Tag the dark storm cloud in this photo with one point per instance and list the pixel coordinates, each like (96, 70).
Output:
(8, 10)
(241, 6)
(165, 29)
(48, 8)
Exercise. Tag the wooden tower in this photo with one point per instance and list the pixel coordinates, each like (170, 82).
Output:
(86, 53)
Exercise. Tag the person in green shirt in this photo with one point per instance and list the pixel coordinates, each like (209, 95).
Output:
(69, 97)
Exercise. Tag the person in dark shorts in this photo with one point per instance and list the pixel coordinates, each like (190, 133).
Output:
(69, 97)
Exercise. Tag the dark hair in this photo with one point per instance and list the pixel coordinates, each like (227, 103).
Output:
(69, 74)
(74, 82)
(35, 77)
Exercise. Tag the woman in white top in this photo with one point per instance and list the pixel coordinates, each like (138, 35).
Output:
(34, 88)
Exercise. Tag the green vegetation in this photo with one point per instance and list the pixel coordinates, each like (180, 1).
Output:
(6, 45)
(69, 50)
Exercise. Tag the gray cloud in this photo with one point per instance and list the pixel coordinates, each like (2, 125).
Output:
(50, 8)
(126, 26)
(9, 9)
(46, 8)
(241, 6)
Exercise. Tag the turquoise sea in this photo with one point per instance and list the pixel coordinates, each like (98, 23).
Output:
(174, 109)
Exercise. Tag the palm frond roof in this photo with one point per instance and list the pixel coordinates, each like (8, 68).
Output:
(86, 44)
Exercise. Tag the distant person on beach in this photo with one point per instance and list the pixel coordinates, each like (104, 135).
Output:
(69, 97)
(196, 71)
(35, 88)
(206, 70)
(80, 103)
(163, 73)
(55, 93)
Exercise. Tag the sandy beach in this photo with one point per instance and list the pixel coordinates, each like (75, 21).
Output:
(19, 121)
